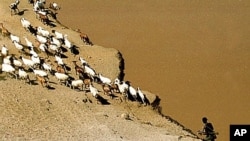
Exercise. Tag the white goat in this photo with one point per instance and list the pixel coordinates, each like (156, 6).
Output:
(36, 60)
(42, 31)
(54, 6)
(89, 71)
(11, 60)
(25, 23)
(38, 5)
(93, 90)
(43, 47)
(132, 92)
(54, 40)
(27, 62)
(83, 61)
(122, 86)
(18, 46)
(32, 51)
(16, 62)
(59, 60)
(4, 50)
(67, 43)
(54, 48)
(46, 67)
(23, 75)
(40, 73)
(9, 69)
(28, 42)
(141, 95)
(41, 15)
(14, 38)
(58, 35)
(76, 83)
(104, 80)
(41, 39)
(6, 60)
(61, 77)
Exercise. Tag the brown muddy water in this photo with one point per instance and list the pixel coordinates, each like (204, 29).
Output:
(194, 54)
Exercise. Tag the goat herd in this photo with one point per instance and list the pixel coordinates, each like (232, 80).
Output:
(52, 45)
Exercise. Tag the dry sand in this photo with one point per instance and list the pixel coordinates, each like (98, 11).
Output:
(31, 112)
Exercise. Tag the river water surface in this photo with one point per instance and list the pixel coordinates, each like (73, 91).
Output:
(194, 54)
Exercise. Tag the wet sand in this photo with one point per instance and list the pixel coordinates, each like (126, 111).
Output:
(193, 54)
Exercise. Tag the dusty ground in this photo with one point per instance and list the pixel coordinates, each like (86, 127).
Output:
(31, 112)
(34, 113)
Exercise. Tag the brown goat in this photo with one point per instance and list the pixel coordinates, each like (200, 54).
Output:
(87, 82)
(60, 69)
(114, 88)
(42, 80)
(107, 90)
(84, 37)
(43, 18)
(78, 69)
(4, 31)
(37, 45)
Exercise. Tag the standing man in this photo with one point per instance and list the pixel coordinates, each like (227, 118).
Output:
(207, 130)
